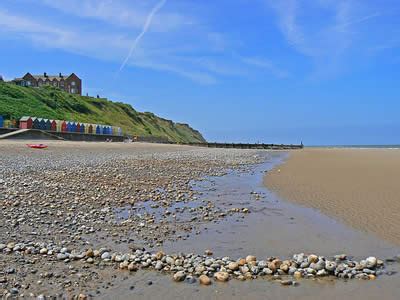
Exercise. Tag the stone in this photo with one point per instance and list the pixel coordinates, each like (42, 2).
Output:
(179, 276)
(190, 279)
(286, 282)
(297, 274)
(106, 255)
(169, 260)
(242, 262)
(221, 276)
(371, 277)
(61, 256)
(371, 262)
(160, 255)
(124, 265)
(250, 259)
(330, 266)
(208, 252)
(158, 266)
(233, 266)
(204, 280)
(132, 267)
(312, 258)
(43, 251)
(89, 253)
(82, 297)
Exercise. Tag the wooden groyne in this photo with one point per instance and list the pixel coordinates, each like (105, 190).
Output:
(248, 146)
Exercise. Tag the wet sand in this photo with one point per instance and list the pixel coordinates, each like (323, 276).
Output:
(359, 187)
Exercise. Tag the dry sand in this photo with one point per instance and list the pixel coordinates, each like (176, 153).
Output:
(358, 186)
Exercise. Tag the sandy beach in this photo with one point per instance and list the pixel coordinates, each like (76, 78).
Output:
(150, 221)
(357, 186)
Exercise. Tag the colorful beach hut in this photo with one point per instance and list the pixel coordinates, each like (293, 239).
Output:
(36, 123)
(98, 129)
(82, 128)
(53, 125)
(1, 121)
(64, 126)
(78, 127)
(48, 124)
(59, 125)
(90, 129)
(25, 123)
(69, 127)
(119, 131)
(86, 128)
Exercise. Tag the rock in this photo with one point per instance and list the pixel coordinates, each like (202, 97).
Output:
(132, 267)
(233, 266)
(160, 255)
(190, 279)
(371, 277)
(82, 297)
(330, 266)
(242, 262)
(169, 260)
(221, 276)
(179, 276)
(89, 253)
(43, 251)
(286, 282)
(158, 266)
(312, 258)
(371, 262)
(2, 246)
(204, 280)
(297, 274)
(106, 255)
(124, 265)
(208, 252)
(61, 256)
(250, 259)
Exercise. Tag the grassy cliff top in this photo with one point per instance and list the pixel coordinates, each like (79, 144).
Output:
(53, 103)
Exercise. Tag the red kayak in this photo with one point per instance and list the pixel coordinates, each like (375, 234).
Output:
(37, 146)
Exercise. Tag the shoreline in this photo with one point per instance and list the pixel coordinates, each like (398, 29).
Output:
(356, 186)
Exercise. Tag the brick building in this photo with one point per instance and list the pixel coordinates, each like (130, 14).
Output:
(71, 83)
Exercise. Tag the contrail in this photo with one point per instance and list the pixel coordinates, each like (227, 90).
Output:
(144, 30)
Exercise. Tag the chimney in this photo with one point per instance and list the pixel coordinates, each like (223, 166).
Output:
(60, 75)
(45, 74)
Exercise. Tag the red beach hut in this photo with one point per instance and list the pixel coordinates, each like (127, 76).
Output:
(53, 126)
(25, 123)
(78, 127)
(64, 126)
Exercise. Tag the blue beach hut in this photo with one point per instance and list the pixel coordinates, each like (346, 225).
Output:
(42, 124)
(35, 123)
(69, 127)
(82, 129)
(47, 124)
(104, 130)
(98, 129)
(1, 121)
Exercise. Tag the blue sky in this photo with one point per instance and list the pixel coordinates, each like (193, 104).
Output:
(321, 72)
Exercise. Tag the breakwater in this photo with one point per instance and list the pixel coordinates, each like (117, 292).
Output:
(247, 146)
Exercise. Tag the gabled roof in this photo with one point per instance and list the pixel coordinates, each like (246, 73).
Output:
(25, 118)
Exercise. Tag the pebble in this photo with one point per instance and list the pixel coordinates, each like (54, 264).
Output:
(221, 276)
(204, 280)
(179, 276)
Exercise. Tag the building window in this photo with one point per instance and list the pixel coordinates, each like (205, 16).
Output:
(28, 83)
(72, 91)
(73, 83)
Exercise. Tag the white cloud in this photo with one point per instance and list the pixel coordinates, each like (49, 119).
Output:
(265, 64)
(130, 14)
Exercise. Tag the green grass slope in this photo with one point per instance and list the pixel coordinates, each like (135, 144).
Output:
(52, 103)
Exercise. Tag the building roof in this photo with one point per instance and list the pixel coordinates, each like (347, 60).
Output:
(46, 76)
(25, 118)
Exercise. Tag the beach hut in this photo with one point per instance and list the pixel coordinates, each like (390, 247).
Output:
(53, 125)
(36, 123)
(119, 131)
(105, 130)
(98, 129)
(48, 124)
(90, 129)
(78, 127)
(73, 127)
(82, 128)
(59, 125)
(1, 121)
(42, 124)
(86, 128)
(69, 126)
(64, 126)
(25, 123)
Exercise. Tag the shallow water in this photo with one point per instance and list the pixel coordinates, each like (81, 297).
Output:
(274, 227)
